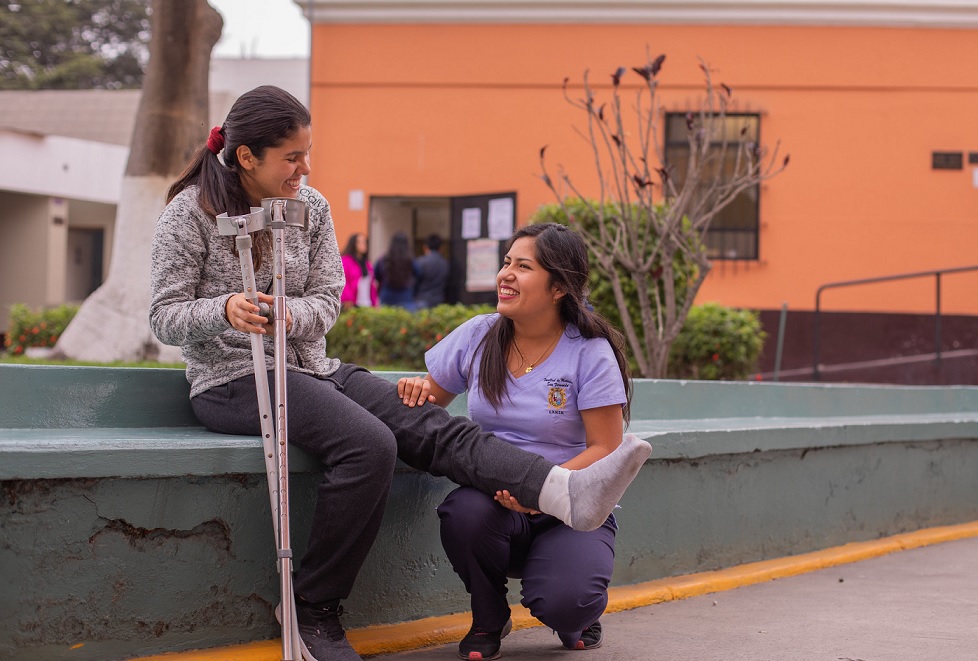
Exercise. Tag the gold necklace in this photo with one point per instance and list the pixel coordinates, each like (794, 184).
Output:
(529, 368)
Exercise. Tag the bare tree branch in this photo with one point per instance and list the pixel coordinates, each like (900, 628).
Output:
(651, 227)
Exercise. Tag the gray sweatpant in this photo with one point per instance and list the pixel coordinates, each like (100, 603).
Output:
(355, 423)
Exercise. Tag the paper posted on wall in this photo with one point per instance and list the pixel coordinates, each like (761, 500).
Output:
(482, 264)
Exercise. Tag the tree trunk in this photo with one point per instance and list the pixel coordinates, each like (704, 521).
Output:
(171, 123)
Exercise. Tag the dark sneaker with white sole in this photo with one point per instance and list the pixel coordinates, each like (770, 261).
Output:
(586, 640)
(482, 645)
(322, 633)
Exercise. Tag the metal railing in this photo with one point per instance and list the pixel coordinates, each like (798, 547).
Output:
(865, 281)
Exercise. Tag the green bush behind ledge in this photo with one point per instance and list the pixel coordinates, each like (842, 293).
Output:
(393, 336)
(717, 343)
(36, 328)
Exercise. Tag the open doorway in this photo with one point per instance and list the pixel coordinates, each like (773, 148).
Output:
(83, 273)
(474, 230)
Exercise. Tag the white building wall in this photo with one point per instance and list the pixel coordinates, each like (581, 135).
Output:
(56, 240)
(232, 77)
(61, 167)
(24, 221)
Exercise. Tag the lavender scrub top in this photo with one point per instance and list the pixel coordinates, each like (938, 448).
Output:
(542, 411)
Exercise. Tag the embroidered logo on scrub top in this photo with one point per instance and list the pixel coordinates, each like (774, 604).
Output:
(557, 396)
(557, 399)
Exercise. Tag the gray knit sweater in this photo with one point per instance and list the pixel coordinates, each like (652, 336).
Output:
(195, 271)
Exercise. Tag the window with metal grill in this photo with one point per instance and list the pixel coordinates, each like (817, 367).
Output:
(733, 233)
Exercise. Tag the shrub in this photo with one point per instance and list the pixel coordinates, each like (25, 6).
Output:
(717, 343)
(392, 337)
(36, 328)
(602, 295)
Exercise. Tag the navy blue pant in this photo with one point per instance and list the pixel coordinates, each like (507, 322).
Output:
(355, 423)
(565, 572)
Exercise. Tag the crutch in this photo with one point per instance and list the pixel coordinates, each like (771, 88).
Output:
(277, 213)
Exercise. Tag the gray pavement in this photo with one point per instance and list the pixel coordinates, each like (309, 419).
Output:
(905, 606)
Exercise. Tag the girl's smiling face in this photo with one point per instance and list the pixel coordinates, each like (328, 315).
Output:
(279, 172)
(523, 286)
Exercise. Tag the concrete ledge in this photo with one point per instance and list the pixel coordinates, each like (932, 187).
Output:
(129, 530)
(55, 397)
(116, 422)
(171, 452)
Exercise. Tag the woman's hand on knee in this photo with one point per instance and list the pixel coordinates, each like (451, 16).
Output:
(414, 391)
(509, 501)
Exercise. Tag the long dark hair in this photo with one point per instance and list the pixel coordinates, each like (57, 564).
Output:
(265, 117)
(563, 255)
(399, 262)
(351, 246)
(351, 251)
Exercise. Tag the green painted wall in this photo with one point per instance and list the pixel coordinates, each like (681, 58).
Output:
(146, 563)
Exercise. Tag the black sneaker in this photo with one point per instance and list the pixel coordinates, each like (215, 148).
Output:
(586, 640)
(321, 632)
(482, 645)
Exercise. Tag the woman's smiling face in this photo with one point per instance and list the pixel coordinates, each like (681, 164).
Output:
(523, 286)
(279, 173)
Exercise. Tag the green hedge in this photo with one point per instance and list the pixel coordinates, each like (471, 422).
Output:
(36, 328)
(602, 295)
(392, 337)
(717, 344)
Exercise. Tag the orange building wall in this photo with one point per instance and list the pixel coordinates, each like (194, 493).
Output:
(461, 109)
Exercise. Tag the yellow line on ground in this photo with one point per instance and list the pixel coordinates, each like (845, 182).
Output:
(385, 639)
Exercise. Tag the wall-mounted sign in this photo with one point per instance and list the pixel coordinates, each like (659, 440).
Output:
(501, 218)
(471, 223)
(482, 264)
(947, 160)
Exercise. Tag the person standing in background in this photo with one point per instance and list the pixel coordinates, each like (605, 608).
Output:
(361, 288)
(395, 273)
(432, 270)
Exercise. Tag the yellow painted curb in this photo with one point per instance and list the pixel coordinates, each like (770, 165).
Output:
(444, 629)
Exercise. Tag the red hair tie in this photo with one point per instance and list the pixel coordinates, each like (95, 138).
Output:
(215, 141)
